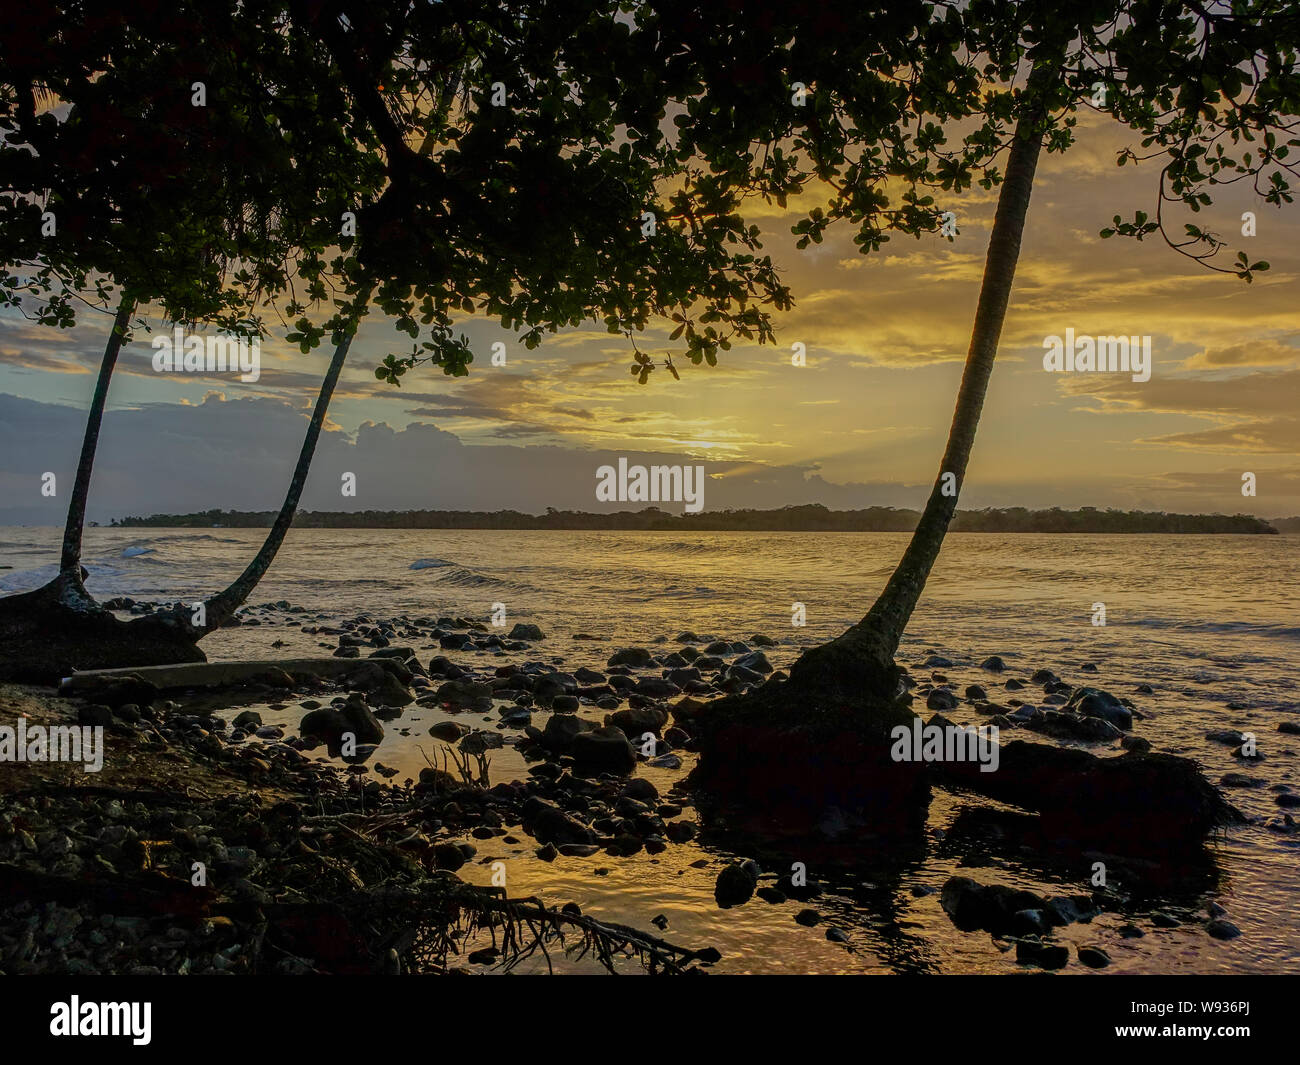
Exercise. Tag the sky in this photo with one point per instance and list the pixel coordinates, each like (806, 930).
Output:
(862, 424)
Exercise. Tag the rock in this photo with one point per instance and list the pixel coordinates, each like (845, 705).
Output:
(993, 907)
(975, 693)
(130, 689)
(465, 695)
(1292, 728)
(326, 723)
(446, 730)
(993, 663)
(735, 886)
(808, 918)
(1135, 743)
(448, 856)
(636, 722)
(656, 687)
(480, 741)
(1221, 929)
(1228, 737)
(1071, 726)
(1067, 909)
(247, 719)
(938, 662)
(565, 704)
(640, 789)
(1025, 922)
(360, 721)
(516, 716)
(1014, 685)
(391, 692)
(636, 657)
(604, 749)
(561, 730)
(550, 685)
(759, 640)
(95, 714)
(941, 699)
(755, 660)
(588, 676)
(547, 823)
(437, 779)
(1093, 702)
(522, 631)
(1044, 955)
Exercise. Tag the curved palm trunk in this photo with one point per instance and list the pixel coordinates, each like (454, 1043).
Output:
(71, 590)
(221, 606)
(877, 635)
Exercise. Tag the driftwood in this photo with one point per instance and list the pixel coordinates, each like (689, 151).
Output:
(221, 674)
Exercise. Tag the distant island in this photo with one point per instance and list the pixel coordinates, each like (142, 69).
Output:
(809, 518)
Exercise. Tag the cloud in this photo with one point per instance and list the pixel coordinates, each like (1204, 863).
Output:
(1259, 352)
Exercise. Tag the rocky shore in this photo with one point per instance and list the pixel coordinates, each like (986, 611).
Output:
(216, 842)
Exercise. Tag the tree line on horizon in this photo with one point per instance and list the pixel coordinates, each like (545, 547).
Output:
(812, 517)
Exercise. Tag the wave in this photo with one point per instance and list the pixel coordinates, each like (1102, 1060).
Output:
(681, 547)
(462, 577)
(455, 573)
(1248, 628)
(30, 579)
(197, 539)
(190, 539)
(136, 550)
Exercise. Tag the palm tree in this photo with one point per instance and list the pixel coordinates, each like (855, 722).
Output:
(866, 651)
(69, 588)
(220, 607)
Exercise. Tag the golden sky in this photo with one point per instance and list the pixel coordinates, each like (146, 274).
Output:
(865, 421)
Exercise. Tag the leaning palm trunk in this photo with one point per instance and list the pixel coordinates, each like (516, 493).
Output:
(49, 632)
(780, 756)
(46, 633)
(62, 608)
(221, 606)
(70, 559)
(874, 640)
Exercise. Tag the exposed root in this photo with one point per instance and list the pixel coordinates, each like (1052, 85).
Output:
(48, 633)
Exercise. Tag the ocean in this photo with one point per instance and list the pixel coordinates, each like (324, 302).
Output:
(1209, 622)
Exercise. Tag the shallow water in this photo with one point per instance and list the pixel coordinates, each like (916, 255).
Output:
(1210, 622)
